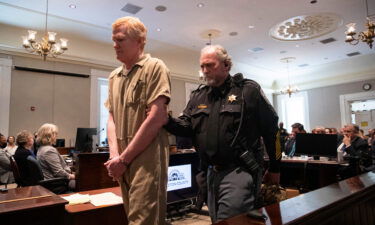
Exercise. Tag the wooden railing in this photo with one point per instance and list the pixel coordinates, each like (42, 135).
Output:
(348, 202)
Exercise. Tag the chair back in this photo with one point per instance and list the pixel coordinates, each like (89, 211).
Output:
(15, 170)
(35, 170)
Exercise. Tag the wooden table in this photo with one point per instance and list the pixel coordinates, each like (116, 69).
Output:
(348, 202)
(88, 214)
(31, 205)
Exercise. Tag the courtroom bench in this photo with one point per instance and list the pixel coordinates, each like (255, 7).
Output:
(348, 202)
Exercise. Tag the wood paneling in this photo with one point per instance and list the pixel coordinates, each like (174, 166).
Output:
(90, 171)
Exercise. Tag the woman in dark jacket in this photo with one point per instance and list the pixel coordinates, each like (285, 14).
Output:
(25, 142)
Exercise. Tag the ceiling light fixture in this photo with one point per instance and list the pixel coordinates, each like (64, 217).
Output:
(158, 29)
(289, 89)
(209, 39)
(200, 5)
(47, 46)
(364, 36)
(234, 33)
(160, 8)
(72, 6)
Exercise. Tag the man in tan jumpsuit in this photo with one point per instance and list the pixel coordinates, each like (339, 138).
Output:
(138, 143)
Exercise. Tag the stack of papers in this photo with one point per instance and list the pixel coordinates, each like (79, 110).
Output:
(77, 199)
(107, 198)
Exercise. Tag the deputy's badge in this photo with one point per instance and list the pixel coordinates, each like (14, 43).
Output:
(232, 98)
(202, 106)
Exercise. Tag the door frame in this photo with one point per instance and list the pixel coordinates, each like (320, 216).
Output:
(345, 101)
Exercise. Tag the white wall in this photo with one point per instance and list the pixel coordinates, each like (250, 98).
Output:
(5, 85)
(58, 99)
(324, 103)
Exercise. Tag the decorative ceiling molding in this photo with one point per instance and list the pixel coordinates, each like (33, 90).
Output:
(305, 27)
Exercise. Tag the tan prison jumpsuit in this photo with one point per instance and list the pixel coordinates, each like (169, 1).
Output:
(144, 182)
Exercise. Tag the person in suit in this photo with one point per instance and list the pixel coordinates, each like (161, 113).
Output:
(356, 150)
(25, 142)
(352, 144)
(290, 145)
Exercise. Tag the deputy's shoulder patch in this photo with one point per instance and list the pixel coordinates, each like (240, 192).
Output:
(202, 106)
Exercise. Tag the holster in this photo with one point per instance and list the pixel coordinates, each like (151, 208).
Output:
(250, 164)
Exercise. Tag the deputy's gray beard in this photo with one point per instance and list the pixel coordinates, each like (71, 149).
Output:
(211, 82)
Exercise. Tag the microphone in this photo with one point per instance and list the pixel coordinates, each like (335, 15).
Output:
(100, 131)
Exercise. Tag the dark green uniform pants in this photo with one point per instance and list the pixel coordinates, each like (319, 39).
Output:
(230, 192)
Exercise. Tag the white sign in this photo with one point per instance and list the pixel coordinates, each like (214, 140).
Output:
(179, 177)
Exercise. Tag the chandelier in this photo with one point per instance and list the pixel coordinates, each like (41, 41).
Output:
(47, 46)
(364, 36)
(289, 89)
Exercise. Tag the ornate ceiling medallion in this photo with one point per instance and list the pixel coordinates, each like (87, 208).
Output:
(306, 27)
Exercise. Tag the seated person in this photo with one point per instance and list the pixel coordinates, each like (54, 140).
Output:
(290, 145)
(25, 141)
(319, 130)
(11, 146)
(3, 141)
(6, 174)
(356, 150)
(52, 163)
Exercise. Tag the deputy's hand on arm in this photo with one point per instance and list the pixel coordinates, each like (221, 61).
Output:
(271, 178)
(115, 167)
